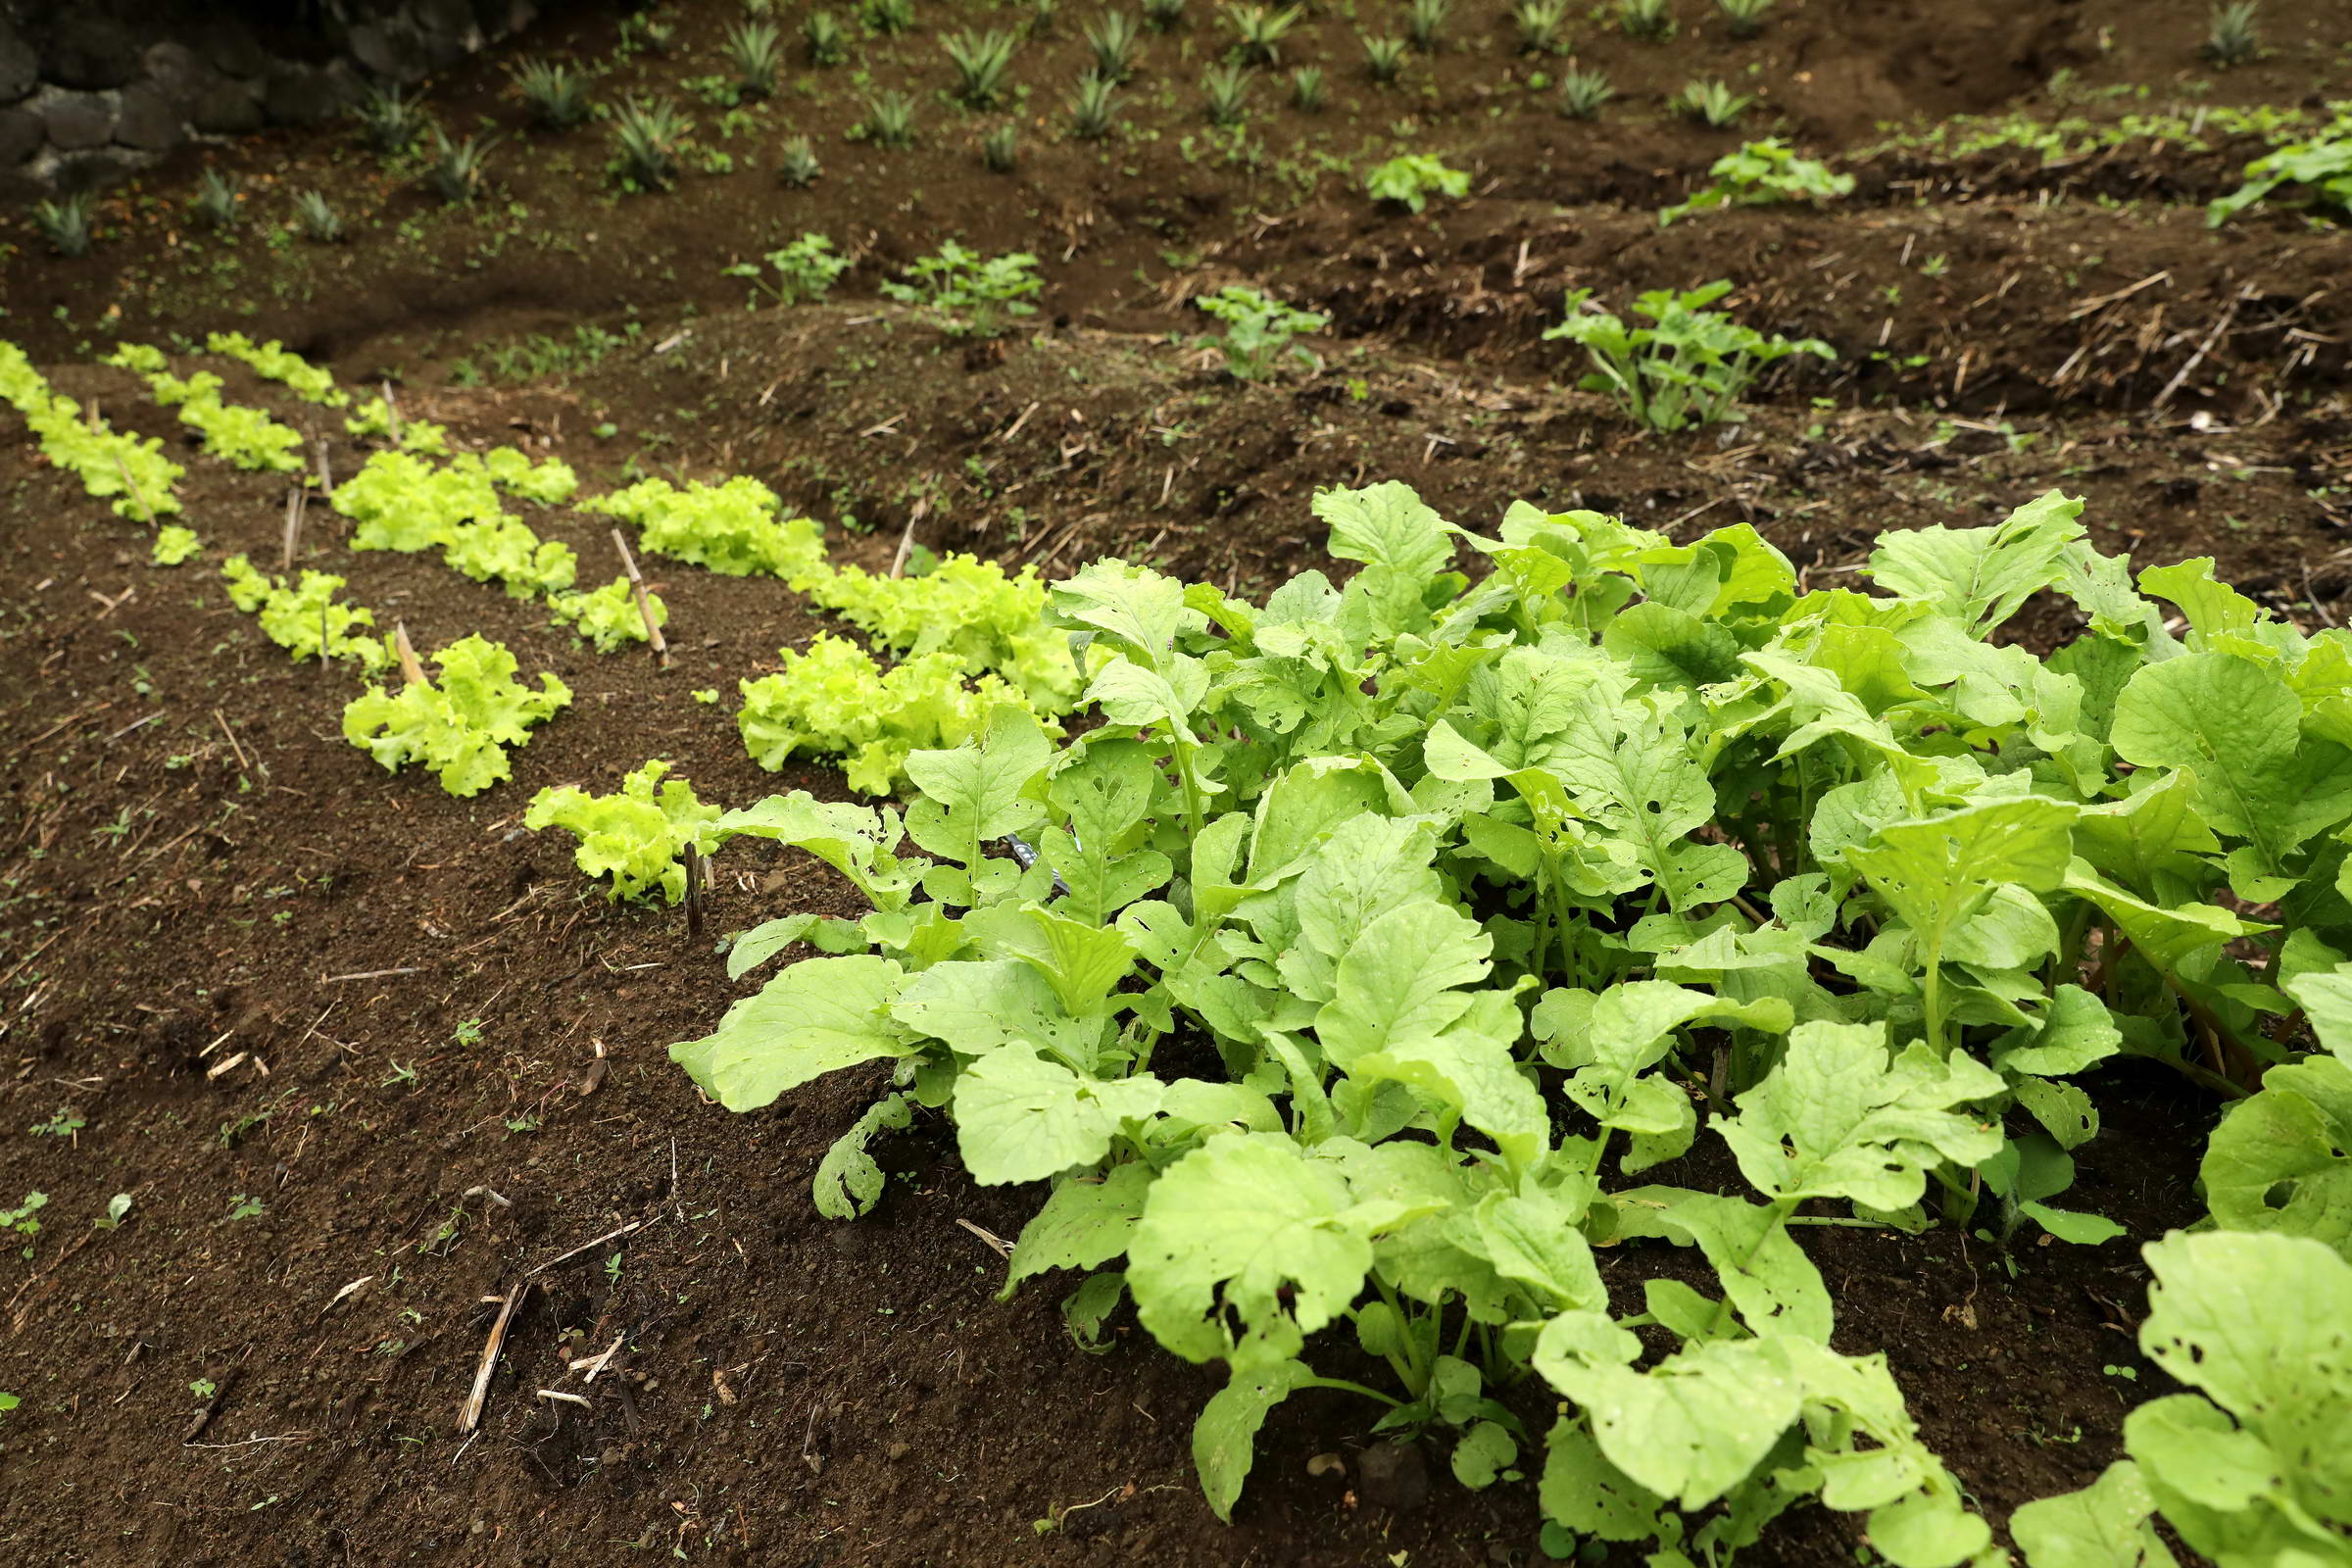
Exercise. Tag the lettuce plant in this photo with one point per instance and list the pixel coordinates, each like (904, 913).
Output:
(1378, 955)
(731, 528)
(964, 606)
(299, 618)
(636, 836)
(460, 725)
(130, 471)
(421, 437)
(607, 616)
(275, 361)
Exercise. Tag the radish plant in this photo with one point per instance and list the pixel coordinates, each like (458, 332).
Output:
(1691, 367)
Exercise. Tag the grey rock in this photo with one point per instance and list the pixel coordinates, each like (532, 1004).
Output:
(19, 67)
(220, 106)
(78, 120)
(92, 52)
(299, 96)
(503, 19)
(372, 46)
(230, 47)
(1393, 1476)
(147, 119)
(175, 67)
(22, 135)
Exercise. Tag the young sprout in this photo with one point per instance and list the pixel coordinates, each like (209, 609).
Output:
(1422, 20)
(1306, 89)
(65, 223)
(756, 51)
(2235, 36)
(827, 41)
(1743, 18)
(796, 162)
(556, 94)
(1041, 17)
(390, 122)
(1646, 20)
(1227, 88)
(1582, 92)
(1001, 148)
(319, 222)
(1113, 39)
(889, 120)
(1383, 58)
(890, 15)
(1163, 16)
(647, 139)
(1710, 103)
(456, 169)
(1093, 108)
(1259, 33)
(1539, 23)
(216, 198)
(981, 60)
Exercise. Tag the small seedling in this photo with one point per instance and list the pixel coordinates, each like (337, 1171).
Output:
(556, 94)
(797, 162)
(1258, 331)
(1384, 59)
(1306, 89)
(65, 223)
(889, 120)
(1744, 19)
(1539, 23)
(1582, 92)
(981, 61)
(973, 296)
(754, 52)
(468, 1032)
(244, 1207)
(1001, 148)
(1113, 39)
(2235, 36)
(1412, 178)
(63, 1124)
(1259, 33)
(1092, 106)
(1163, 16)
(1225, 93)
(217, 197)
(1710, 103)
(827, 41)
(804, 270)
(456, 168)
(1646, 20)
(1423, 19)
(890, 15)
(648, 141)
(390, 122)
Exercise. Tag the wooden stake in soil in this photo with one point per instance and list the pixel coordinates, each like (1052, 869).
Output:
(410, 671)
(392, 414)
(694, 893)
(469, 1415)
(327, 477)
(645, 606)
(133, 485)
(293, 525)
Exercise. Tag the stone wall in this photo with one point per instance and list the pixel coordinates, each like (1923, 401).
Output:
(92, 89)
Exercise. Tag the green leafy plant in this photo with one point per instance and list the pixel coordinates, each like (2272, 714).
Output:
(889, 120)
(460, 727)
(173, 545)
(827, 41)
(2249, 1467)
(1743, 18)
(217, 197)
(275, 361)
(1225, 92)
(1689, 367)
(130, 471)
(889, 16)
(1001, 145)
(1258, 330)
(457, 169)
(970, 295)
(729, 528)
(1259, 31)
(755, 52)
(1094, 107)
(648, 142)
(24, 1220)
(804, 270)
(556, 94)
(1384, 59)
(1424, 20)
(1306, 89)
(66, 222)
(607, 618)
(1582, 92)
(1412, 178)
(1113, 39)
(981, 61)
(1365, 971)
(1710, 103)
(389, 120)
(316, 218)
(992, 623)
(246, 437)
(797, 163)
(1758, 174)
(2320, 171)
(2234, 37)
(1538, 24)
(1647, 19)
(299, 618)
(638, 836)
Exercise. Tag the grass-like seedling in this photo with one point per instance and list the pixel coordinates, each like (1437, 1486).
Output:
(458, 168)
(1424, 20)
(1306, 89)
(1710, 103)
(1259, 31)
(1094, 107)
(65, 223)
(1001, 148)
(1539, 23)
(981, 61)
(754, 52)
(390, 120)
(2234, 35)
(797, 163)
(1646, 20)
(648, 140)
(1384, 59)
(889, 120)
(1582, 92)
(1744, 19)
(321, 224)
(215, 199)
(1225, 88)
(890, 15)
(1113, 39)
(1163, 16)
(556, 94)
(825, 38)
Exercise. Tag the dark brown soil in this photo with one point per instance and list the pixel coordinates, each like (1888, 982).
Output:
(244, 960)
